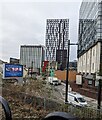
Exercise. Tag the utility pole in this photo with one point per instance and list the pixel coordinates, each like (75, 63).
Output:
(31, 69)
(67, 72)
(67, 75)
(100, 82)
(99, 94)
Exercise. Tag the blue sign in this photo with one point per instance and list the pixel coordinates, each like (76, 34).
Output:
(13, 70)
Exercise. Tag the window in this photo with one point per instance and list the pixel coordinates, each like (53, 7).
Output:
(93, 66)
(93, 52)
(81, 99)
(89, 82)
(75, 99)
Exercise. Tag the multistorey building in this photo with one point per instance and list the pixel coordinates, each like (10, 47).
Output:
(90, 39)
(14, 61)
(57, 32)
(32, 56)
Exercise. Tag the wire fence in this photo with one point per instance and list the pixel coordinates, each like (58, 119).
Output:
(51, 106)
(84, 112)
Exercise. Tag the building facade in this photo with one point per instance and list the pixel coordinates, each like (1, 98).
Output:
(90, 39)
(32, 56)
(61, 56)
(57, 32)
(73, 65)
(14, 61)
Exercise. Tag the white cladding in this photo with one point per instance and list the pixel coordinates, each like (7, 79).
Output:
(89, 62)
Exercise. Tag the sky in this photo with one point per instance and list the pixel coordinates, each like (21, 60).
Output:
(23, 22)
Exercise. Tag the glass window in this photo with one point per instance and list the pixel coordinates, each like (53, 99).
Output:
(81, 99)
(76, 99)
(89, 82)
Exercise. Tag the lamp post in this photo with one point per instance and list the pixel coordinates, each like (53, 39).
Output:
(99, 94)
(66, 95)
(99, 78)
(31, 68)
(67, 72)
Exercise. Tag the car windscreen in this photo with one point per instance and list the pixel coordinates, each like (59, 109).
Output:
(81, 99)
(55, 81)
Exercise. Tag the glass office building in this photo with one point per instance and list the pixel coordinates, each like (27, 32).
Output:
(90, 25)
(90, 36)
(32, 56)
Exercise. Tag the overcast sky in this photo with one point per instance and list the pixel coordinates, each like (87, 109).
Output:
(23, 22)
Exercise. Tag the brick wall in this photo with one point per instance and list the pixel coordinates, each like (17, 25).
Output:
(90, 91)
(62, 75)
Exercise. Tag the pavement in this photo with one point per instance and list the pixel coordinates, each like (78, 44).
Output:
(91, 102)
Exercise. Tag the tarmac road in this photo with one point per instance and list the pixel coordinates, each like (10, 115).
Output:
(91, 102)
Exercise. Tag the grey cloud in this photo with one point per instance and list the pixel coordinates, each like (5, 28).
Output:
(25, 23)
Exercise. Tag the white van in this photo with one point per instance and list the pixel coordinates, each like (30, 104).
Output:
(54, 80)
(76, 99)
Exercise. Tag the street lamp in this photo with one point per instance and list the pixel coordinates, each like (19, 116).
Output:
(67, 75)
(99, 94)
(99, 78)
(31, 68)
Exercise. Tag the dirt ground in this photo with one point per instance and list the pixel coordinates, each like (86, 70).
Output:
(21, 109)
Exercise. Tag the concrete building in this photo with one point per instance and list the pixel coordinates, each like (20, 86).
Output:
(89, 52)
(90, 39)
(1, 66)
(73, 65)
(14, 61)
(57, 32)
(32, 56)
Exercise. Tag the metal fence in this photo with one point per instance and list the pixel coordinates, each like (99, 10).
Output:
(84, 112)
(50, 105)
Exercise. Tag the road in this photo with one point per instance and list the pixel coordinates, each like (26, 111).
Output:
(61, 90)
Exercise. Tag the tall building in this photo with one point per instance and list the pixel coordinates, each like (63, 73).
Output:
(57, 32)
(32, 56)
(90, 39)
(73, 65)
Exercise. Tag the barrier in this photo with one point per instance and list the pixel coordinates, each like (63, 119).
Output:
(51, 116)
(6, 108)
